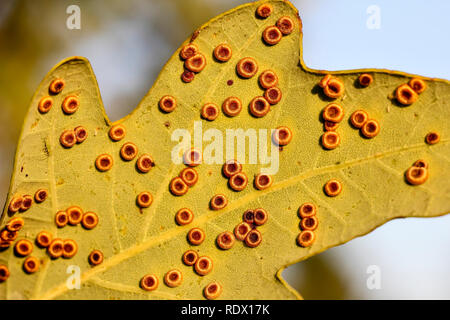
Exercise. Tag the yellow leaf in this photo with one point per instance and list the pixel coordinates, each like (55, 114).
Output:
(138, 241)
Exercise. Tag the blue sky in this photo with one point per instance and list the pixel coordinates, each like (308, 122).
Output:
(412, 35)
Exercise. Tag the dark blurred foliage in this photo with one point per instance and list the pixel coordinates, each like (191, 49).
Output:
(318, 278)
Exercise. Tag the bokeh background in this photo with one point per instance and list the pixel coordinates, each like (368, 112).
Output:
(128, 42)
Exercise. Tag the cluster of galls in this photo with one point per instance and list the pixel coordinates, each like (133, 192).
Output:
(308, 224)
(259, 106)
(417, 173)
(247, 230)
(194, 61)
(246, 68)
(70, 105)
(273, 34)
(71, 137)
(11, 230)
(128, 152)
(369, 128)
(74, 215)
(332, 115)
(237, 180)
(202, 265)
(56, 247)
(22, 247)
(408, 93)
(23, 203)
(66, 248)
(332, 87)
(188, 177)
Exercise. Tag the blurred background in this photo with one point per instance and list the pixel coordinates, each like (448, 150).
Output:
(128, 42)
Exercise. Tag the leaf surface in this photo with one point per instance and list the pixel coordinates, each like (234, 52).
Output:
(137, 241)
